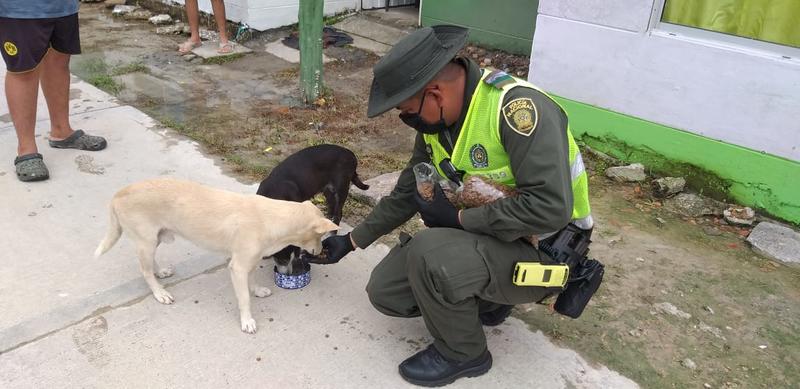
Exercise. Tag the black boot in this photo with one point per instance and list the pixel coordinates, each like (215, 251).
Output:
(430, 368)
(493, 318)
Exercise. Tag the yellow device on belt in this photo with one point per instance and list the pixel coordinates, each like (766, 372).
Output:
(536, 274)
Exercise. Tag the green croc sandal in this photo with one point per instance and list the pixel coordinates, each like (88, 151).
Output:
(31, 167)
(81, 141)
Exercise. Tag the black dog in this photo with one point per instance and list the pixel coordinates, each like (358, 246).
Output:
(329, 169)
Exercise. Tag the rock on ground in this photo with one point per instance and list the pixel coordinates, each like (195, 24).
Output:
(739, 215)
(672, 310)
(630, 173)
(668, 186)
(122, 9)
(177, 28)
(138, 14)
(160, 19)
(378, 187)
(692, 205)
(776, 241)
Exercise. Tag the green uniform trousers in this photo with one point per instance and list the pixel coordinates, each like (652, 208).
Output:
(448, 276)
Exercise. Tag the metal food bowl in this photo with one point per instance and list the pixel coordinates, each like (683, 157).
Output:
(293, 281)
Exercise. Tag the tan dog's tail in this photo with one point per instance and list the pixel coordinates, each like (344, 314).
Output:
(113, 234)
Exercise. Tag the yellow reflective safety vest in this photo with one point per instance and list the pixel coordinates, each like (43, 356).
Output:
(481, 130)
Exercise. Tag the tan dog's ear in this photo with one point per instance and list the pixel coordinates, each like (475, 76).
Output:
(324, 225)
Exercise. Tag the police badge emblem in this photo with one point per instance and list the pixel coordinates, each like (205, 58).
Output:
(478, 156)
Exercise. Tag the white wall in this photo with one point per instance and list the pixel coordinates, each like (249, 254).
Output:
(265, 14)
(601, 52)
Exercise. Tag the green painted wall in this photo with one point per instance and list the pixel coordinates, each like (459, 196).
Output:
(768, 183)
(507, 25)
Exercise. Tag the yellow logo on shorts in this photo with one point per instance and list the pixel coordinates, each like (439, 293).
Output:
(10, 48)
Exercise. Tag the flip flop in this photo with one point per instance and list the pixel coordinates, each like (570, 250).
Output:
(81, 141)
(226, 48)
(31, 167)
(187, 47)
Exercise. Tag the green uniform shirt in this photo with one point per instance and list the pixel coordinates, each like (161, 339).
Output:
(540, 163)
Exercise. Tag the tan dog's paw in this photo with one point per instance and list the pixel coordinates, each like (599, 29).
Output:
(163, 296)
(165, 272)
(249, 325)
(262, 291)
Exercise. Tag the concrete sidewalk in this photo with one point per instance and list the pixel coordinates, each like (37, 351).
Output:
(68, 320)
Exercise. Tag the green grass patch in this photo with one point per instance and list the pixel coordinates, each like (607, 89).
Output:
(94, 66)
(223, 59)
(336, 18)
(174, 124)
(99, 73)
(219, 145)
(106, 83)
(130, 68)
(288, 74)
(704, 181)
(241, 165)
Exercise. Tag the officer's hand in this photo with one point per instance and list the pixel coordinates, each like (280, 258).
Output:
(439, 212)
(337, 246)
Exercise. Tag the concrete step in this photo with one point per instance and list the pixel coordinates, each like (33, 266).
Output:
(287, 53)
(371, 35)
(209, 50)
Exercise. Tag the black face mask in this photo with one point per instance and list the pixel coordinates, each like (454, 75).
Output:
(415, 121)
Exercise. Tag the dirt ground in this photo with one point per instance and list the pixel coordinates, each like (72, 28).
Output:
(736, 321)
(247, 110)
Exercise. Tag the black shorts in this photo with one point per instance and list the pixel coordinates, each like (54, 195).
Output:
(25, 41)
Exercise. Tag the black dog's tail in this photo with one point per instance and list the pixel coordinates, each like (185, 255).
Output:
(357, 182)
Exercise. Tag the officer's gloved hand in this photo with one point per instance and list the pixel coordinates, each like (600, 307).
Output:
(337, 246)
(439, 212)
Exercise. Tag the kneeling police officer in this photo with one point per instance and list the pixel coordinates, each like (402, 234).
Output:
(459, 273)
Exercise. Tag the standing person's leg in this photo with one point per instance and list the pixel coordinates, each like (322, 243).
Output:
(193, 17)
(65, 41)
(55, 87)
(24, 44)
(22, 92)
(218, 7)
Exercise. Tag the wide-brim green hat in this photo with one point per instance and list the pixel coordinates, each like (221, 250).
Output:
(411, 64)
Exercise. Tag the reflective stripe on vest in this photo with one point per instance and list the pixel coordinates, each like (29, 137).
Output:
(479, 149)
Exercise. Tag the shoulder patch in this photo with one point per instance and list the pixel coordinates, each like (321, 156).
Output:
(521, 115)
(499, 79)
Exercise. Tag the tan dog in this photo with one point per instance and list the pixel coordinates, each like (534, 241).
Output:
(247, 227)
